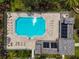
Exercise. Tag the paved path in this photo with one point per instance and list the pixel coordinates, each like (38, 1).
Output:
(77, 44)
(63, 56)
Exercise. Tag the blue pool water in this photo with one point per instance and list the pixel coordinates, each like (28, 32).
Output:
(30, 26)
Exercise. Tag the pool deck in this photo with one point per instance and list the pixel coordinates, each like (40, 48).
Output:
(18, 42)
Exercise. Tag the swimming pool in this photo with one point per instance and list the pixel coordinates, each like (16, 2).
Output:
(30, 26)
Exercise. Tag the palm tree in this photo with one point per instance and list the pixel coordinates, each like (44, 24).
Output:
(11, 54)
(17, 5)
(73, 4)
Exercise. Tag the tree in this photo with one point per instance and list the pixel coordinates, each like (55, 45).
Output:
(17, 5)
(42, 5)
(73, 4)
(11, 54)
(1, 1)
(76, 21)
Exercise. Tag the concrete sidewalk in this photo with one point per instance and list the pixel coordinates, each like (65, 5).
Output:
(77, 44)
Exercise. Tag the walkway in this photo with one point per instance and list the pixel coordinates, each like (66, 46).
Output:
(77, 44)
